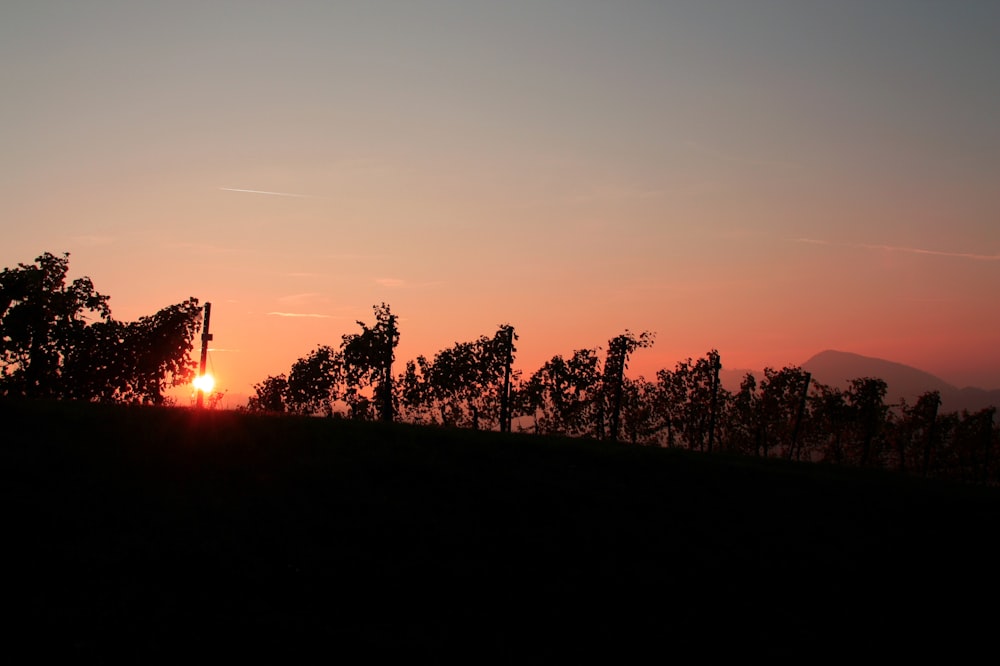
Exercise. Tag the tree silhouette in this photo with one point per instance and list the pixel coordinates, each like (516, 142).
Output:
(714, 364)
(314, 383)
(685, 400)
(928, 405)
(504, 350)
(563, 397)
(637, 424)
(669, 403)
(866, 397)
(468, 384)
(367, 361)
(915, 432)
(972, 440)
(327, 378)
(620, 348)
(40, 318)
(269, 396)
(415, 393)
(830, 411)
(160, 346)
(50, 349)
(780, 409)
(745, 415)
(458, 378)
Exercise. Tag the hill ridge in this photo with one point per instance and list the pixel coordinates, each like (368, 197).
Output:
(837, 368)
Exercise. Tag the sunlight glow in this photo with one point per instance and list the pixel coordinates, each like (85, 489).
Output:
(204, 383)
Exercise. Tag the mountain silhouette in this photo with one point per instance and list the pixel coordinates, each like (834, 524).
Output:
(837, 368)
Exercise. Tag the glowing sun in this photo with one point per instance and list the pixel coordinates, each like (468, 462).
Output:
(204, 383)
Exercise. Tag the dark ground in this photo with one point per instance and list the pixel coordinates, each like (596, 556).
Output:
(163, 534)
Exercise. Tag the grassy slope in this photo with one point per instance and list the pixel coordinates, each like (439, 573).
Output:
(158, 532)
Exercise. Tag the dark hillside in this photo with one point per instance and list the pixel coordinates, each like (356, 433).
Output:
(155, 534)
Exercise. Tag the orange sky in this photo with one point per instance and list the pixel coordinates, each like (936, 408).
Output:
(770, 179)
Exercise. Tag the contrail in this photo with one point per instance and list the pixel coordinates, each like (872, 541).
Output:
(299, 314)
(273, 194)
(902, 248)
(940, 253)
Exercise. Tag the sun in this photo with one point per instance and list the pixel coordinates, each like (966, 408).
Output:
(205, 383)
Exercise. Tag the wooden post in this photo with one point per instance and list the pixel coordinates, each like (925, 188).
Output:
(798, 416)
(386, 387)
(505, 416)
(206, 337)
(929, 441)
(988, 444)
(716, 362)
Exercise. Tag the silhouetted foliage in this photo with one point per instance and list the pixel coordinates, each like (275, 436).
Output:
(778, 409)
(564, 397)
(314, 383)
(638, 398)
(41, 317)
(51, 350)
(866, 399)
(504, 350)
(784, 413)
(269, 396)
(358, 376)
(915, 434)
(159, 346)
(367, 362)
(465, 385)
(684, 399)
(613, 379)
(969, 457)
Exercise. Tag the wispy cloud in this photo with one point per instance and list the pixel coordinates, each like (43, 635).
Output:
(902, 248)
(309, 315)
(299, 298)
(268, 192)
(354, 255)
(92, 241)
(202, 248)
(397, 283)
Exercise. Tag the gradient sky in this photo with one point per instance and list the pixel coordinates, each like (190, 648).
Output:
(770, 178)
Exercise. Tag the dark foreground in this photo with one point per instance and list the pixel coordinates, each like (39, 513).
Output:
(158, 535)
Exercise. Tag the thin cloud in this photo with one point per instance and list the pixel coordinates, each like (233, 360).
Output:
(939, 253)
(352, 255)
(309, 315)
(397, 283)
(268, 192)
(202, 248)
(902, 248)
(93, 241)
(299, 298)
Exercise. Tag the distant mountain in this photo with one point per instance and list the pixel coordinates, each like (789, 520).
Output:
(731, 378)
(837, 368)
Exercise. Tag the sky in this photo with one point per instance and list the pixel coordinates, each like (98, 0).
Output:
(769, 178)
